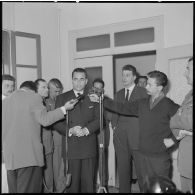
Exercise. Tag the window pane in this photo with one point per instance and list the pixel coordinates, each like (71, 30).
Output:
(5, 51)
(133, 37)
(26, 51)
(93, 42)
(25, 74)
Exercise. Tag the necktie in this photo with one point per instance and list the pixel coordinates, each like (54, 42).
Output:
(127, 95)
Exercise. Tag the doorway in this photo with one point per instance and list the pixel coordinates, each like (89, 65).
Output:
(144, 62)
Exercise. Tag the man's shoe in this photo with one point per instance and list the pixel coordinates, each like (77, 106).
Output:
(133, 181)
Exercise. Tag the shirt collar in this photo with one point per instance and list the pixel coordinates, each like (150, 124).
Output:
(130, 88)
(76, 92)
(156, 100)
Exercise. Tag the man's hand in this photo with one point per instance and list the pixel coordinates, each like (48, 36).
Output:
(70, 104)
(168, 142)
(183, 133)
(78, 131)
(94, 98)
(74, 130)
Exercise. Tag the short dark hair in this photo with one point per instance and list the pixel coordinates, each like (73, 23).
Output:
(99, 80)
(130, 68)
(161, 78)
(56, 82)
(8, 77)
(82, 70)
(140, 77)
(28, 84)
(143, 77)
(37, 83)
(190, 59)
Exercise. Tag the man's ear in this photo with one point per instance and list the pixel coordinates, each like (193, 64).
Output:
(86, 81)
(160, 87)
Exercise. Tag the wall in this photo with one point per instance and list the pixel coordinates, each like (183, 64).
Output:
(37, 18)
(43, 19)
(178, 21)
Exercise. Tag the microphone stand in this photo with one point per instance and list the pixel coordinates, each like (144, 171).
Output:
(68, 176)
(101, 188)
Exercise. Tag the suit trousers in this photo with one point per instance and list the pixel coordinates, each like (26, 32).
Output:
(57, 160)
(48, 173)
(151, 166)
(124, 161)
(25, 180)
(83, 175)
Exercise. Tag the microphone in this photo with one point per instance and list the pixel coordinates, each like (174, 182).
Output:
(80, 96)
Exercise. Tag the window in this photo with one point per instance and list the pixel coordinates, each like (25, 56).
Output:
(93, 42)
(132, 37)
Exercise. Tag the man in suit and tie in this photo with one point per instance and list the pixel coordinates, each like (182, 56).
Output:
(83, 124)
(23, 114)
(126, 129)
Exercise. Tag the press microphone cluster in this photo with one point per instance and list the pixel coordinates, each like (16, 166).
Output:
(80, 97)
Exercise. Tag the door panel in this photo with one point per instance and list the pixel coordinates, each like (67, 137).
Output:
(107, 69)
(143, 62)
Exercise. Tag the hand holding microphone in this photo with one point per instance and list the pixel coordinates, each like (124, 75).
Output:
(70, 104)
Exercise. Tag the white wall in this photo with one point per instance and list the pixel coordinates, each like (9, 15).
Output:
(178, 17)
(42, 18)
(178, 22)
(37, 18)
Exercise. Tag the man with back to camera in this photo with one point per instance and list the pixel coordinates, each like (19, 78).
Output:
(154, 121)
(126, 129)
(23, 114)
(8, 85)
(83, 124)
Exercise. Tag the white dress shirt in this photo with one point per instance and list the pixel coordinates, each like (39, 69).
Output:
(130, 90)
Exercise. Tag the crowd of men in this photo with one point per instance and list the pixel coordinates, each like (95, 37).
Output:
(48, 135)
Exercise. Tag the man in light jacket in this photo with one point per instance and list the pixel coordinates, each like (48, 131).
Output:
(23, 114)
(181, 124)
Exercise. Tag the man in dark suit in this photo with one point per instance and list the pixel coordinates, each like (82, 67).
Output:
(83, 124)
(126, 130)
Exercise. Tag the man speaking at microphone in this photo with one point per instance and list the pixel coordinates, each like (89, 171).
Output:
(83, 124)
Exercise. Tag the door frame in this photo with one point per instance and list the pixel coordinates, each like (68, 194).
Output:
(126, 55)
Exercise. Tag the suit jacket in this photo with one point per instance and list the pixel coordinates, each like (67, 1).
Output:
(183, 120)
(84, 114)
(23, 114)
(126, 123)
